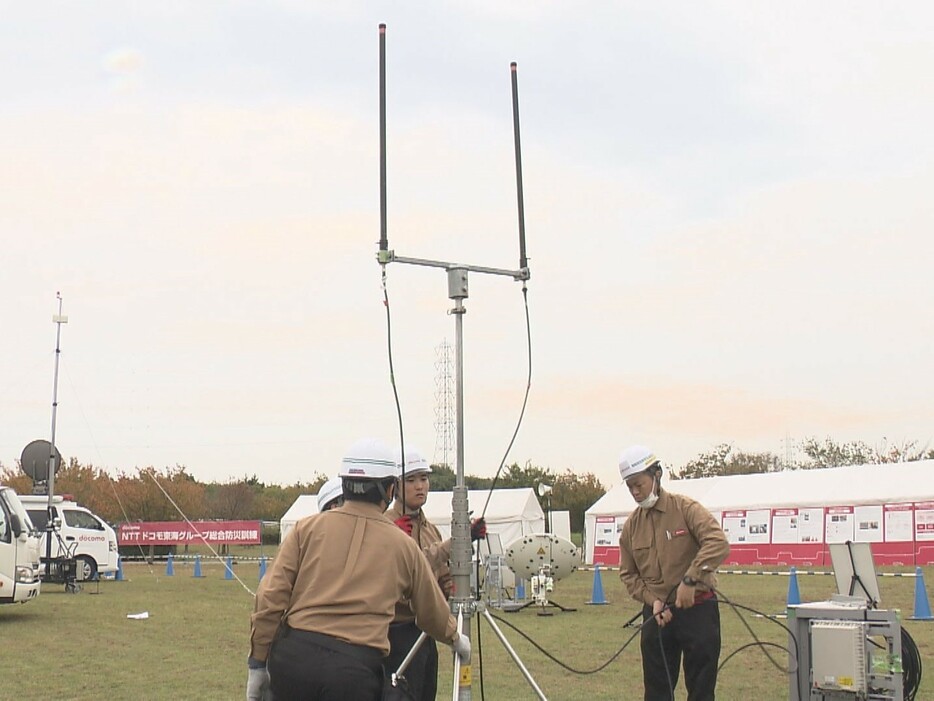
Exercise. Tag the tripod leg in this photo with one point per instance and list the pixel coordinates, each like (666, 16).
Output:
(408, 658)
(515, 657)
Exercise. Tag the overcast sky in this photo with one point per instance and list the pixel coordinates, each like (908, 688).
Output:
(728, 211)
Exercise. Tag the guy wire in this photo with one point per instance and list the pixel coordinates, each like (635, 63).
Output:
(100, 457)
(203, 539)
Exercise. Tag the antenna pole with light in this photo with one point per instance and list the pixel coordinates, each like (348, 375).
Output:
(58, 320)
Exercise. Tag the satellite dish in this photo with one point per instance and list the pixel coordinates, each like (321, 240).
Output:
(35, 460)
(527, 555)
(544, 489)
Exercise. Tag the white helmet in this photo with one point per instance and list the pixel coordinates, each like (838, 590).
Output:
(634, 460)
(414, 462)
(369, 459)
(330, 490)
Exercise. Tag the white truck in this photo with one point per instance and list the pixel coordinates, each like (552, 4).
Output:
(81, 534)
(19, 551)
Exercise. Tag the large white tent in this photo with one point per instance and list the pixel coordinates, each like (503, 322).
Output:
(901, 493)
(305, 505)
(510, 514)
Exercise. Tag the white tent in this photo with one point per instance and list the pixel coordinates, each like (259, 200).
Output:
(305, 505)
(510, 514)
(854, 486)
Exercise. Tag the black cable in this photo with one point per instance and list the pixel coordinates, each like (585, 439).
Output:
(479, 658)
(911, 657)
(525, 400)
(911, 667)
(735, 606)
(392, 381)
(757, 643)
(566, 666)
(661, 644)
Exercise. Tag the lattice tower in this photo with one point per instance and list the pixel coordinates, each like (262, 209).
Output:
(445, 426)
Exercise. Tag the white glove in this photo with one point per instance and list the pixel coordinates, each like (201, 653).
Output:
(257, 684)
(462, 647)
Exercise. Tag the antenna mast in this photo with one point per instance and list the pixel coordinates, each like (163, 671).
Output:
(457, 275)
(58, 320)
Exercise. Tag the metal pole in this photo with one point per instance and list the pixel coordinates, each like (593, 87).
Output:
(58, 320)
(383, 241)
(461, 550)
(523, 260)
(457, 658)
(410, 656)
(512, 653)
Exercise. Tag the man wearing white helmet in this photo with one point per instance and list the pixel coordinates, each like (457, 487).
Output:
(421, 675)
(331, 494)
(319, 628)
(670, 548)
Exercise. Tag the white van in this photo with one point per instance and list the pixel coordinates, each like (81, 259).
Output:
(93, 541)
(19, 551)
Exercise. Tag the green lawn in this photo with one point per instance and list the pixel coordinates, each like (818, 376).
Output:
(194, 643)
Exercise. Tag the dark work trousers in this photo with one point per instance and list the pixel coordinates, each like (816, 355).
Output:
(422, 673)
(693, 633)
(305, 666)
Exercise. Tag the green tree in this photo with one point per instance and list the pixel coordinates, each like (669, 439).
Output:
(829, 453)
(232, 501)
(528, 475)
(149, 496)
(725, 460)
(443, 478)
(576, 493)
(14, 478)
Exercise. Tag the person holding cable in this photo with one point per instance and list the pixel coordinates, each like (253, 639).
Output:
(421, 675)
(320, 623)
(670, 548)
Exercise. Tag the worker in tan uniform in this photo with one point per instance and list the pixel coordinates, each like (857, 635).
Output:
(421, 675)
(670, 548)
(319, 628)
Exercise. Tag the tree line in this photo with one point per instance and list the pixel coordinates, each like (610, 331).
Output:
(164, 495)
(724, 459)
(160, 495)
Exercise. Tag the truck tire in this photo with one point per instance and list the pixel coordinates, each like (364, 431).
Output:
(88, 567)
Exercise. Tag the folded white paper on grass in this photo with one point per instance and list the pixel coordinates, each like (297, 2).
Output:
(138, 616)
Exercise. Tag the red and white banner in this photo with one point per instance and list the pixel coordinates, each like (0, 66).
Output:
(181, 532)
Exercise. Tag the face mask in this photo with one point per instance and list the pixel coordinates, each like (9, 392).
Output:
(650, 500)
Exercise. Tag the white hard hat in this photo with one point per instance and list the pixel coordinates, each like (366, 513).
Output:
(330, 490)
(414, 462)
(635, 459)
(369, 459)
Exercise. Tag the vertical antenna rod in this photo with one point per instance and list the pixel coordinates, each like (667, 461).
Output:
(523, 261)
(383, 240)
(58, 320)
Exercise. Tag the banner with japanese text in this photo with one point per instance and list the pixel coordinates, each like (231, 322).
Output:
(182, 532)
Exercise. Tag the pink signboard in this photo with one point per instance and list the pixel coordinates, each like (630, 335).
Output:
(183, 532)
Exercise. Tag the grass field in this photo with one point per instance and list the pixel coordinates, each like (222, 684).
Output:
(195, 642)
